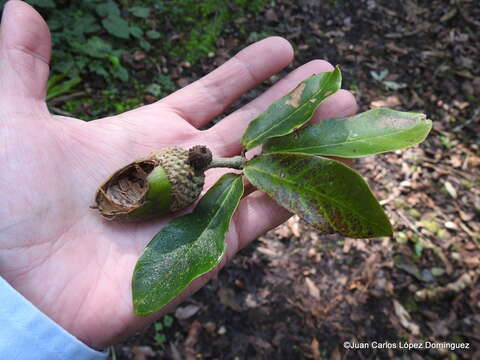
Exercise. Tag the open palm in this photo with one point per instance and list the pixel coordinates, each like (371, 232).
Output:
(54, 249)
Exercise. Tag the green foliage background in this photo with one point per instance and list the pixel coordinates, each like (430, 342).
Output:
(90, 39)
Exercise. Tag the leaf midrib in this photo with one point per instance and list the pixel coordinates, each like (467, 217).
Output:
(346, 142)
(277, 124)
(231, 188)
(321, 195)
(190, 248)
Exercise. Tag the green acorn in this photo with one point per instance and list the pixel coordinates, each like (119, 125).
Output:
(165, 181)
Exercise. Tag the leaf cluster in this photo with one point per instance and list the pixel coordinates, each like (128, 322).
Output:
(90, 36)
(77, 36)
(95, 40)
(294, 168)
(161, 328)
(199, 24)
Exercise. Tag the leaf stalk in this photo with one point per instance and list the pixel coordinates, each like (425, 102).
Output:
(235, 162)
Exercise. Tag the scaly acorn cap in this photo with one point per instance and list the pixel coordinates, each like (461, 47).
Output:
(165, 181)
(199, 157)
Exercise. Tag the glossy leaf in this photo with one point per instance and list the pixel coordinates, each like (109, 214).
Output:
(185, 248)
(372, 132)
(293, 110)
(325, 193)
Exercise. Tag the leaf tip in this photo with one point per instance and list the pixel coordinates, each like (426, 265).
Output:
(387, 230)
(337, 71)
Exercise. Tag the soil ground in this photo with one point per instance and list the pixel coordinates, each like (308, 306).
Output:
(296, 293)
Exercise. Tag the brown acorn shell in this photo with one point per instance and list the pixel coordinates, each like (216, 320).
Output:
(123, 194)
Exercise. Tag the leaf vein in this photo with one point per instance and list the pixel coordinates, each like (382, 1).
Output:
(349, 142)
(340, 204)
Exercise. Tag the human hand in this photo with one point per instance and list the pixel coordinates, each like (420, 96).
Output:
(54, 249)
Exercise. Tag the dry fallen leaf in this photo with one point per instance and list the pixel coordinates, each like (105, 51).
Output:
(141, 352)
(390, 101)
(315, 347)
(186, 312)
(312, 288)
(227, 298)
(405, 318)
(450, 189)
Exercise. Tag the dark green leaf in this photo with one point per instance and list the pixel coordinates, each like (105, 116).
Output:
(154, 89)
(140, 11)
(325, 193)
(160, 338)
(165, 82)
(98, 68)
(136, 31)
(95, 47)
(119, 72)
(152, 34)
(145, 44)
(108, 9)
(116, 26)
(185, 248)
(42, 3)
(83, 25)
(293, 110)
(168, 320)
(372, 132)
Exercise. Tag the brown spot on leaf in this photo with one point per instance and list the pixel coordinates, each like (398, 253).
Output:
(395, 122)
(295, 96)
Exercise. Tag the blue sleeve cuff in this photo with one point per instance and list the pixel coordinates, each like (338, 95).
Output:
(27, 333)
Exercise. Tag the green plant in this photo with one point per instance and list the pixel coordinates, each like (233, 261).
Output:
(160, 327)
(294, 170)
(200, 23)
(57, 86)
(95, 40)
(77, 37)
(90, 36)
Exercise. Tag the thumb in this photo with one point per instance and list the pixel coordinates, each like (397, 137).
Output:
(24, 54)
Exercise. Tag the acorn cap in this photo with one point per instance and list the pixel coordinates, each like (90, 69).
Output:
(163, 182)
(199, 157)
